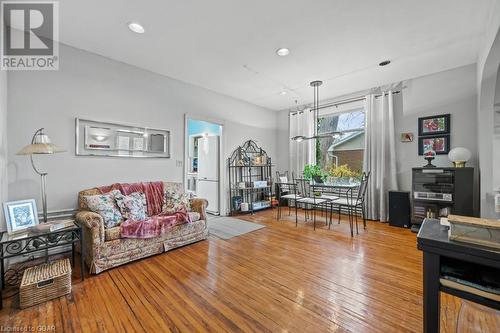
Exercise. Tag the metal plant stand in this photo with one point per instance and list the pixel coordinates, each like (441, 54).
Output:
(250, 179)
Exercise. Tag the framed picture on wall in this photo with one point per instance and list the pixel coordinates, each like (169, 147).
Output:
(440, 144)
(434, 125)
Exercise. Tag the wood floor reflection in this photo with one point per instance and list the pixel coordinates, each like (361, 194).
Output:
(280, 278)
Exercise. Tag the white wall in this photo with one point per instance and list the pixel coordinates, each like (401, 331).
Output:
(453, 92)
(487, 71)
(496, 138)
(98, 88)
(3, 144)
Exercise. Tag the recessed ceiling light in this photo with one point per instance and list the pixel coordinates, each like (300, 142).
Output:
(283, 92)
(385, 63)
(282, 52)
(136, 27)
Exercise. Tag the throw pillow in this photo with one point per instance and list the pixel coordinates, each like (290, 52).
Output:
(176, 201)
(131, 206)
(105, 205)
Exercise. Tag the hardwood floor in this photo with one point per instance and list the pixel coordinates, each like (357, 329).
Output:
(276, 279)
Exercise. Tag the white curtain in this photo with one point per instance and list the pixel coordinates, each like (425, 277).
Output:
(301, 153)
(380, 154)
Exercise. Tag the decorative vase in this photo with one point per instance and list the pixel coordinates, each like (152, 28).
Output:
(429, 160)
(429, 156)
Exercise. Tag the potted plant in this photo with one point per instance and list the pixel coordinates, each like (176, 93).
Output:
(314, 172)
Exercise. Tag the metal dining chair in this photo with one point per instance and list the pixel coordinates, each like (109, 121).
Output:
(282, 177)
(309, 199)
(328, 193)
(291, 194)
(352, 203)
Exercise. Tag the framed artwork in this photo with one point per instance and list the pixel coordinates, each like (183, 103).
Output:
(20, 215)
(440, 144)
(406, 137)
(434, 125)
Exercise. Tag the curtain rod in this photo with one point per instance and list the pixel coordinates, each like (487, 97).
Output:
(346, 101)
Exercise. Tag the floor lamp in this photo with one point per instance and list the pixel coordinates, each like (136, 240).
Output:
(40, 144)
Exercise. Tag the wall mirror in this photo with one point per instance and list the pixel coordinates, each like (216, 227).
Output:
(97, 138)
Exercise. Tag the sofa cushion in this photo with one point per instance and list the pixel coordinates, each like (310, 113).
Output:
(111, 234)
(132, 206)
(105, 205)
(115, 232)
(194, 216)
(176, 201)
(128, 247)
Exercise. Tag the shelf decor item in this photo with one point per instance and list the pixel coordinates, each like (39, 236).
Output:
(429, 156)
(41, 144)
(250, 179)
(45, 282)
(459, 156)
(434, 125)
(474, 230)
(20, 215)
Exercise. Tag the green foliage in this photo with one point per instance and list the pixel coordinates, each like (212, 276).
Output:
(312, 170)
(344, 171)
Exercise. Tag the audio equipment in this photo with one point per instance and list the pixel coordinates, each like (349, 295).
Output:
(399, 209)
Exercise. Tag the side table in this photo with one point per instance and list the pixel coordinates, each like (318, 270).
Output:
(16, 245)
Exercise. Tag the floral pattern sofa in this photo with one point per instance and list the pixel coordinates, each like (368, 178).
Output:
(104, 249)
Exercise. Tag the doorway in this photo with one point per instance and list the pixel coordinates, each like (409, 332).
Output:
(203, 161)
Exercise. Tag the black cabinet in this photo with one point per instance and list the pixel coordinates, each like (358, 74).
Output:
(439, 192)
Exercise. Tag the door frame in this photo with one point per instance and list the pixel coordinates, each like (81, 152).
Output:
(222, 178)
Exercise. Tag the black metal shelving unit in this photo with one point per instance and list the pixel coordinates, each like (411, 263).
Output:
(247, 165)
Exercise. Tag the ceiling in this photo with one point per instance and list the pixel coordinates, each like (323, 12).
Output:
(228, 46)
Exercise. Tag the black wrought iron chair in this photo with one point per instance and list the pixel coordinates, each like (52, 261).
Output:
(309, 199)
(352, 202)
(328, 193)
(287, 191)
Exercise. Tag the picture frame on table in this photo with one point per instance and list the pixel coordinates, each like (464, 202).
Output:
(434, 125)
(20, 215)
(440, 144)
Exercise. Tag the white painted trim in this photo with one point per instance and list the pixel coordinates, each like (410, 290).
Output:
(222, 174)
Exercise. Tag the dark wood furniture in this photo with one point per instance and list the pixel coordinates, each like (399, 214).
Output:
(441, 191)
(433, 240)
(12, 246)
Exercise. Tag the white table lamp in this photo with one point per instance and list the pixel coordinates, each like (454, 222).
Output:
(459, 156)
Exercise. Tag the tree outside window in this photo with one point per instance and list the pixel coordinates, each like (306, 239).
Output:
(345, 151)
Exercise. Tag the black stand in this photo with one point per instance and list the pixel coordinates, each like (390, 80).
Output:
(433, 240)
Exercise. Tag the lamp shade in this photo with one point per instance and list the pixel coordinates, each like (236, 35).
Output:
(40, 144)
(459, 156)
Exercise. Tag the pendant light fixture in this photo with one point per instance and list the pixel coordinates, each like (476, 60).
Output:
(315, 108)
(316, 84)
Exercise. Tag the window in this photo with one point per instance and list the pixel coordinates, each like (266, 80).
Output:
(345, 150)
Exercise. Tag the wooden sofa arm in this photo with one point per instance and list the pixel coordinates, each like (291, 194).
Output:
(200, 205)
(93, 226)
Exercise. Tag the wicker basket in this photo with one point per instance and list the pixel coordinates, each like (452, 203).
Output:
(45, 282)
